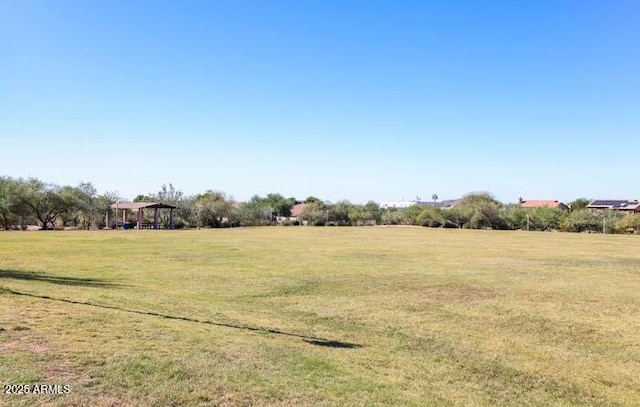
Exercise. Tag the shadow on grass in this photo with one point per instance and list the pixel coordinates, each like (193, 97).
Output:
(35, 276)
(308, 339)
(331, 344)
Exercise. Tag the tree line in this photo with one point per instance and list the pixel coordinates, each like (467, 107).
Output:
(25, 202)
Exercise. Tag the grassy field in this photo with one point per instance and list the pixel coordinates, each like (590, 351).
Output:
(320, 316)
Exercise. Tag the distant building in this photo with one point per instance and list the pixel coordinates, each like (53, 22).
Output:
(296, 211)
(616, 205)
(542, 203)
(398, 204)
(449, 203)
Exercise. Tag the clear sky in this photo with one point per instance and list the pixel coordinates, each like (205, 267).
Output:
(356, 100)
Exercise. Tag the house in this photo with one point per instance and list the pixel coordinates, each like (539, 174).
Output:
(626, 206)
(542, 203)
(296, 211)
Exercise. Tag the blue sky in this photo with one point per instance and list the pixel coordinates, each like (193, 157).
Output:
(352, 100)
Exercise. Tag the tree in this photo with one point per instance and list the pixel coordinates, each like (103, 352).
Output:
(629, 224)
(48, 202)
(143, 198)
(103, 205)
(280, 205)
(359, 216)
(87, 208)
(431, 216)
(339, 213)
(374, 209)
(212, 208)
(480, 210)
(12, 210)
(547, 218)
(582, 220)
(312, 199)
(610, 220)
(168, 195)
(256, 212)
(393, 217)
(580, 203)
(174, 197)
(315, 213)
(543, 218)
(455, 217)
(434, 197)
(364, 215)
(411, 214)
(518, 217)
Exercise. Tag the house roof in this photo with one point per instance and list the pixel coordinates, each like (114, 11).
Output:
(619, 204)
(141, 205)
(542, 203)
(297, 209)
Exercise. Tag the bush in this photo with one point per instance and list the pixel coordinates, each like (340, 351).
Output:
(450, 225)
(393, 218)
(582, 220)
(479, 211)
(431, 217)
(629, 224)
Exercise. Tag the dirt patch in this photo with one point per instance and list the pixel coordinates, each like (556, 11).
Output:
(62, 372)
(17, 342)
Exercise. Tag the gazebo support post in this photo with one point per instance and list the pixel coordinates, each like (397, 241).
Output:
(155, 218)
(172, 224)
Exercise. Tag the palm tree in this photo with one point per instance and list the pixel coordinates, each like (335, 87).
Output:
(434, 197)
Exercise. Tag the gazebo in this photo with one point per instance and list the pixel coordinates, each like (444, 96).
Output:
(140, 207)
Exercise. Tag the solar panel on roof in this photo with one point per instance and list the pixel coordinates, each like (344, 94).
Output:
(616, 203)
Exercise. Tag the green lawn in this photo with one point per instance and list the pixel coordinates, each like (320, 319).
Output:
(321, 316)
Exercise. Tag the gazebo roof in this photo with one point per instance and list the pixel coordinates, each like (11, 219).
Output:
(141, 205)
